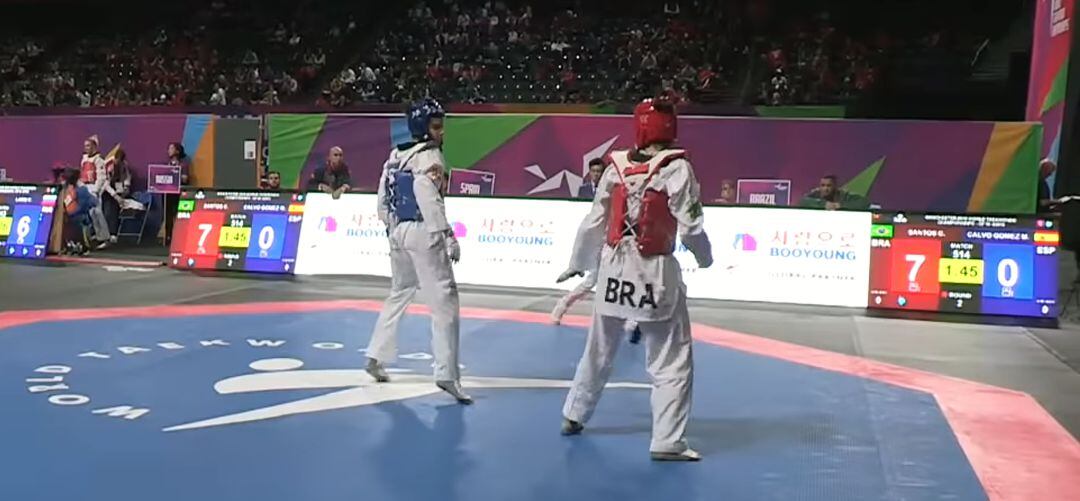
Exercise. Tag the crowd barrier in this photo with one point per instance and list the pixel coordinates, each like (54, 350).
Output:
(980, 264)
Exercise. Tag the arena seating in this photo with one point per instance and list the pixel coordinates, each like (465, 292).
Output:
(221, 52)
(243, 52)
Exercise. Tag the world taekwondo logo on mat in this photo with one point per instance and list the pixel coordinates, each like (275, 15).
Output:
(258, 370)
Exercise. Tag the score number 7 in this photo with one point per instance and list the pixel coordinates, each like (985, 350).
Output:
(918, 260)
(205, 229)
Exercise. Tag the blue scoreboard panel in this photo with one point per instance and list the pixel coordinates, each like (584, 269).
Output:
(26, 217)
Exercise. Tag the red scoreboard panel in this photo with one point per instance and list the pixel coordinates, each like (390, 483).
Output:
(993, 265)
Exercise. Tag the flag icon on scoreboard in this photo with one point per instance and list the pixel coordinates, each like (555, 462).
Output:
(186, 206)
(1047, 237)
(881, 231)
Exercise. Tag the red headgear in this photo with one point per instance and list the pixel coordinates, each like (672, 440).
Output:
(654, 122)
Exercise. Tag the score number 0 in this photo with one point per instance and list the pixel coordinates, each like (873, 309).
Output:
(1008, 275)
(266, 240)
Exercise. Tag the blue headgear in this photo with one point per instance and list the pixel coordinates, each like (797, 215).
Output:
(420, 115)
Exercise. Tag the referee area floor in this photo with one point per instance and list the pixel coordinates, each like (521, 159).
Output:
(127, 382)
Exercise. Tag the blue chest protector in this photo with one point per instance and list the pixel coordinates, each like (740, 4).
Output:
(402, 199)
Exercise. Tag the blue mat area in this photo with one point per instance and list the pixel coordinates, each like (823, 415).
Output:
(769, 429)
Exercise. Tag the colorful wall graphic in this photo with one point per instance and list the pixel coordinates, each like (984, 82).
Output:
(1051, 49)
(31, 145)
(903, 165)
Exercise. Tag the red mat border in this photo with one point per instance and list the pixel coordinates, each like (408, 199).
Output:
(1018, 450)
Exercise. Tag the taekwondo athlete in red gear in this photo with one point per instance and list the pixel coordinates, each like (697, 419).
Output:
(422, 246)
(645, 197)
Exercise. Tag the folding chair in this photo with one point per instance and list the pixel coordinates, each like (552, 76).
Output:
(135, 215)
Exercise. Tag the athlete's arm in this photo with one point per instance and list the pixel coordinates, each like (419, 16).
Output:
(430, 168)
(384, 204)
(684, 201)
(593, 229)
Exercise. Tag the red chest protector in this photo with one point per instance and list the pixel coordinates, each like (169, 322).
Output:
(89, 171)
(656, 228)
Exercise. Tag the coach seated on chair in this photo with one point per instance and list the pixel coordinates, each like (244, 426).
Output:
(827, 196)
(332, 178)
(78, 201)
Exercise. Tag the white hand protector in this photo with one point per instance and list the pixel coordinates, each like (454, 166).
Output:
(453, 249)
(567, 274)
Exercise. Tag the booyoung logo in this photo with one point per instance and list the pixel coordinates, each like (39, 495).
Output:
(745, 242)
(365, 225)
(346, 387)
(814, 245)
(516, 231)
(328, 224)
(460, 231)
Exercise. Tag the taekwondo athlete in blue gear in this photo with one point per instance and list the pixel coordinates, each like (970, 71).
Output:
(422, 247)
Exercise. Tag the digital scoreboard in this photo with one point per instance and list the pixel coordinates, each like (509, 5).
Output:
(26, 217)
(989, 265)
(237, 230)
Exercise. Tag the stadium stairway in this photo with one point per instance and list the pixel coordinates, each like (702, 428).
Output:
(992, 65)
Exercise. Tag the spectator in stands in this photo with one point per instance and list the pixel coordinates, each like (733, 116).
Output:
(332, 178)
(827, 196)
(488, 51)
